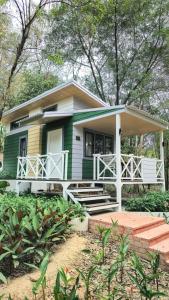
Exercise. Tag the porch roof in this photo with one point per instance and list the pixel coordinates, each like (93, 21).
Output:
(133, 120)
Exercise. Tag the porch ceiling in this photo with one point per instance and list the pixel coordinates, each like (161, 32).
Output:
(131, 124)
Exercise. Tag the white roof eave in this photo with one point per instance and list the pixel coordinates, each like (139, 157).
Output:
(54, 90)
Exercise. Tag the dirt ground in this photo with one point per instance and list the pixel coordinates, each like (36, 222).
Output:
(65, 256)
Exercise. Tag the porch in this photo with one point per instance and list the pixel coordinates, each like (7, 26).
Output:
(55, 167)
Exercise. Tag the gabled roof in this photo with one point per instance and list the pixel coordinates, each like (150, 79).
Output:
(69, 89)
(133, 120)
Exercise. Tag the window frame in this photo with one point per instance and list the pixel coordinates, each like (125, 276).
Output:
(94, 133)
(18, 121)
(47, 108)
(20, 138)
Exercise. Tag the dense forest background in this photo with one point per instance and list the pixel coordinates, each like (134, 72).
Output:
(119, 49)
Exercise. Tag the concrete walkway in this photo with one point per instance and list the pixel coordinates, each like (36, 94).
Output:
(146, 233)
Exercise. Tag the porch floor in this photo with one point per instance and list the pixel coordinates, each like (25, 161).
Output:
(145, 233)
(100, 181)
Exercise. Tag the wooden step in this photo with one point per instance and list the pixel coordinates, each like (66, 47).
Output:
(101, 208)
(153, 235)
(84, 190)
(93, 198)
(99, 204)
(86, 195)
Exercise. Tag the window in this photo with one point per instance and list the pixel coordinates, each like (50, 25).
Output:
(89, 144)
(17, 123)
(50, 108)
(97, 143)
(23, 146)
(108, 145)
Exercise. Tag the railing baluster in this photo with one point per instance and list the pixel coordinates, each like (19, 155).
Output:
(94, 166)
(66, 164)
(132, 167)
(98, 167)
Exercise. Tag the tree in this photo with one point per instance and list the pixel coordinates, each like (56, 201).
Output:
(23, 14)
(34, 83)
(121, 42)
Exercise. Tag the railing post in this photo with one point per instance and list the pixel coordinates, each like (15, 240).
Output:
(94, 166)
(65, 164)
(37, 166)
(17, 174)
(26, 167)
(62, 165)
(48, 165)
(132, 167)
(118, 160)
(98, 166)
(162, 158)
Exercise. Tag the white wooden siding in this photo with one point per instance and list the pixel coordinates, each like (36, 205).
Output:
(148, 166)
(79, 104)
(35, 112)
(77, 153)
(65, 104)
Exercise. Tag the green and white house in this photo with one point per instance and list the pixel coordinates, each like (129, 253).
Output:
(67, 136)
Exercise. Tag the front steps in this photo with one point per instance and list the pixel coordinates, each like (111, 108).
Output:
(94, 199)
(146, 233)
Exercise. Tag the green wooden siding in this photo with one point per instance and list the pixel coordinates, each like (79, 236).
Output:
(91, 114)
(66, 124)
(11, 151)
(87, 171)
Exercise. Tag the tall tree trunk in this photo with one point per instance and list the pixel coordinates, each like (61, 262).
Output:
(116, 53)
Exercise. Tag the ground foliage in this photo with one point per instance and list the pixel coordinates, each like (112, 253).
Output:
(151, 201)
(29, 227)
(107, 270)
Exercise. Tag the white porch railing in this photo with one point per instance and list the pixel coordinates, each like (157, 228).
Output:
(133, 168)
(43, 166)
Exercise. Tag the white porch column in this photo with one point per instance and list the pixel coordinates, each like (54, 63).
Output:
(162, 158)
(118, 160)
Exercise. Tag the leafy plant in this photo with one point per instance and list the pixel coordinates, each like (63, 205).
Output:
(3, 185)
(122, 254)
(63, 289)
(155, 265)
(25, 234)
(109, 274)
(143, 280)
(41, 282)
(104, 234)
(87, 279)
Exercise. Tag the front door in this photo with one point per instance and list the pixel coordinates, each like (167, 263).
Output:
(54, 147)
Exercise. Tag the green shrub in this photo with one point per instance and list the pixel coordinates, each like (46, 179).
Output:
(3, 184)
(152, 201)
(27, 202)
(30, 226)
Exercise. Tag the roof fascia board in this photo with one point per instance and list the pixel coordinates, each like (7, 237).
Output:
(57, 114)
(97, 109)
(55, 89)
(98, 117)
